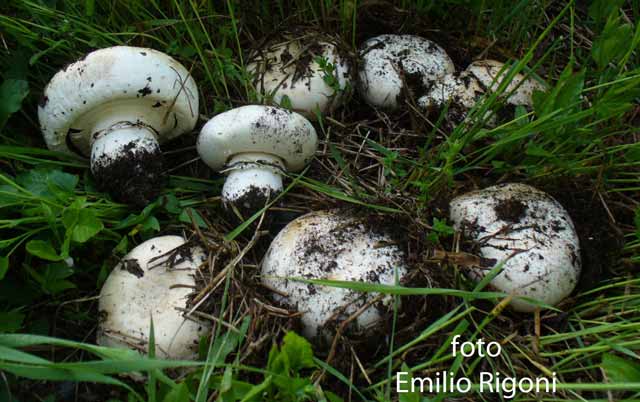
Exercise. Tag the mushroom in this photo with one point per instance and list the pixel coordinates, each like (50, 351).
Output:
(155, 280)
(255, 145)
(465, 89)
(305, 68)
(116, 105)
(527, 231)
(393, 66)
(335, 246)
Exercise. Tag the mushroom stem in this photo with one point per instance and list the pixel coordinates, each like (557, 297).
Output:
(252, 179)
(127, 156)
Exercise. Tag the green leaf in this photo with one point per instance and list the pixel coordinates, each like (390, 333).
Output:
(197, 218)
(612, 44)
(570, 91)
(619, 369)
(441, 227)
(180, 393)
(171, 204)
(331, 397)
(600, 10)
(54, 278)
(298, 351)
(406, 386)
(42, 249)
(48, 182)
(10, 321)
(12, 93)
(88, 225)
(150, 224)
(4, 266)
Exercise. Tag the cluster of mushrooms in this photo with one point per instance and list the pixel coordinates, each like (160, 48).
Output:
(117, 106)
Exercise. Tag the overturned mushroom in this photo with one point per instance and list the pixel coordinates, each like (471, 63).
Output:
(393, 66)
(465, 89)
(155, 280)
(305, 68)
(529, 232)
(116, 105)
(335, 246)
(255, 145)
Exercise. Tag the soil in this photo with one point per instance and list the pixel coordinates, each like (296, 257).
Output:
(135, 178)
(253, 200)
(510, 210)
(601, 240)
(132, 267)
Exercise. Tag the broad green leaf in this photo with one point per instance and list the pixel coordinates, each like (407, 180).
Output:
(9, 195)
(619, 369)
(180, 393)
(331, 397)
(12, 93)
(150, 224)
(600, 10)
(612, 44)
(184, 217)
(405, 385)
(19, 356)
(88, 225)
(11, 321)
(48, 182)
(53, 279)
(4, 266)
(298, 351)
(571, 90)
(171, 204)
(42, 249)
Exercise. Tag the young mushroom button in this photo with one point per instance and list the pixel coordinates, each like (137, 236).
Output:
(155, 280)
(255, 145)
(527, 231)
(394, 66)
(116, 105)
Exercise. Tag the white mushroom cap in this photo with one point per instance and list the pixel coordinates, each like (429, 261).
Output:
(254, 144)
(154, 280)
(138, 90)
(530, 232)
(469, 86)
(488, 73)
(330, 245)
(110, 85)
(290, 68)
(461, 89)
(389, 62)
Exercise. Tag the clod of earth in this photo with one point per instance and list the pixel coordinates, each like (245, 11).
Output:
(393, 67)
(155, 280)
(308, 69)
(116, 106)
(255, 145)
(335, 246)
(528, 232)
